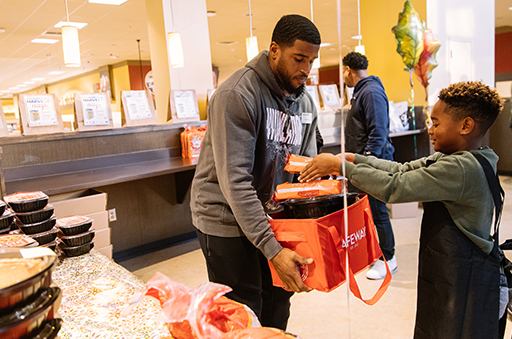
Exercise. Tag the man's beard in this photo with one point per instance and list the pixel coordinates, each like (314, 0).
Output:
(285, 79)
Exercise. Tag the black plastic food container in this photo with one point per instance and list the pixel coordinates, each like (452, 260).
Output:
(316, 207)
(79, 239)
(18, 294)
(31, 317)
(5, 230)
(75, 251)
(74, 225)
(51, 245)
(26, 201)
(36, 216)
(37, 227)
(45, 237)
(2, 207)
(6, 219)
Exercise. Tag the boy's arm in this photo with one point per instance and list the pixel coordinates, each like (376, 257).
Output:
(443, 180)
(389, 166)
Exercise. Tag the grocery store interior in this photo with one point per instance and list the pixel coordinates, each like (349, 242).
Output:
(128, 174)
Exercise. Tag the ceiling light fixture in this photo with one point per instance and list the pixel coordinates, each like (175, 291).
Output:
(70, 43)
(108, 2)
(210, 13)
(56, 72)
(38, 79)
(316, 63)
(359, 48)
(44, 41)
(251, 43)
(2, 30)
(174, 46)
(78, 25)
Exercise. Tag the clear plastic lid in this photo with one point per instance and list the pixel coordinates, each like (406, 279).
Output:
(16, 240)
(73, 221)
(25, 196)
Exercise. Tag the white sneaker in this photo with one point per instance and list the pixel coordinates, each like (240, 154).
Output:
(378, 271)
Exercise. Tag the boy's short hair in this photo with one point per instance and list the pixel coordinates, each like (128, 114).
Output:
(472, 99)
(295, 27)
(355, 61)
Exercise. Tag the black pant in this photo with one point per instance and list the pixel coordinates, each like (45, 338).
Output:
(235, 262)
(383, 225)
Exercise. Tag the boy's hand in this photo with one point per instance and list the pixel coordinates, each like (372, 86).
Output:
(321, 165)
(285, 263)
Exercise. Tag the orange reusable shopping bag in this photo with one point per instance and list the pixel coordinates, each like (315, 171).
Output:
(324, 240)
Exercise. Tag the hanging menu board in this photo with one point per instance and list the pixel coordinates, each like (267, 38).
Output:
(313, 91)
(330, 96)
(4, 131)
(183, 106)
(40, 114)
(92, 112)
(137, 108)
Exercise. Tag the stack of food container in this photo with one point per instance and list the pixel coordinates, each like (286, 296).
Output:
(76, 235)
(6, 218)
(27, 302)
(34, 216)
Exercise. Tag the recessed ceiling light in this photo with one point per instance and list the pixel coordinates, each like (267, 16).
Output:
(44, 41)
(38, 79)
(78, 25)
(29, 82)
(22, 85)
(5, 91)
(210, 13)
(56, 72)
(227, 43)
(13, 88)
(325, 44)
(357, 37)
(107, 2)
(2, 30)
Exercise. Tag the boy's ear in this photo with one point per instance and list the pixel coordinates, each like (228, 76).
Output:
(468, 125)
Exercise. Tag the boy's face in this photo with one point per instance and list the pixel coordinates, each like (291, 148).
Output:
(444, 131)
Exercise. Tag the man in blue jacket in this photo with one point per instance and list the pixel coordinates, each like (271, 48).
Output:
(367, 133)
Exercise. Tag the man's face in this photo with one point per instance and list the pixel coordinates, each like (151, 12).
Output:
(348, 77)
(293, 63)
(444, 131)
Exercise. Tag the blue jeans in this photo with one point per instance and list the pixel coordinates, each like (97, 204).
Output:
(383, 226)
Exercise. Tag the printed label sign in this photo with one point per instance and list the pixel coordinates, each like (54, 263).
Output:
(94, 109)
(185, 104)
(41, 110)
(137, 105)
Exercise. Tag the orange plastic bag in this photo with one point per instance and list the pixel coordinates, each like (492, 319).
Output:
(191, 141)
(296, 163)
(324, 240)
(259, 333)
(307, 189)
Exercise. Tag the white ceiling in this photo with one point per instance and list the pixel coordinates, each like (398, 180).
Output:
(112, 33)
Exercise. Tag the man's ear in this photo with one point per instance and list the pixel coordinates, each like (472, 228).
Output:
(274, 50)
(468, 125)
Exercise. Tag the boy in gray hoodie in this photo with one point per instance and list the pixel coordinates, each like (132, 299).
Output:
(458, 273)
(255, 118)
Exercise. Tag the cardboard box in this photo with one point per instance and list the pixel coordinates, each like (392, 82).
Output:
(405, 210)
(106, 251)
(101, 238)
(100, 220)
(78, 203)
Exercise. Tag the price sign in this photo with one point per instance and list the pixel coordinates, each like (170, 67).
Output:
(40, 110)
(94, 109)
(137, 105)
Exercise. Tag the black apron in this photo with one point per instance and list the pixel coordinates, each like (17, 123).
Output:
(458, 284)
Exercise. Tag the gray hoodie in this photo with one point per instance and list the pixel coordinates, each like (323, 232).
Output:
(252, 126)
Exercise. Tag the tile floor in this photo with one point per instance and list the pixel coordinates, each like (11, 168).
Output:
(318, 315)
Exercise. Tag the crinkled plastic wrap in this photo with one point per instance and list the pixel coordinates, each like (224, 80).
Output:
(259, 333)
(308, 189)
(202, 313)
(296, 163)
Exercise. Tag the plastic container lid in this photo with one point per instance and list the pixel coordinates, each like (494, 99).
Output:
(26, 201)
(45, 237)
(17, 240)
(38, 227)
(74, 225)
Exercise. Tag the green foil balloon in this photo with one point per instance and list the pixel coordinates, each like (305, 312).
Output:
(409, 37)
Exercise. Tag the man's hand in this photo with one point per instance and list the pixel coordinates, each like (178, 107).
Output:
(285, 263)
(323, 164)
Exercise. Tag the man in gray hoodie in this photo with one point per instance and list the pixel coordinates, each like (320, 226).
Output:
(255, 118)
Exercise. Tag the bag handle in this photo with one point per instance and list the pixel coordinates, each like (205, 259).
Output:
(354, 287)
(291, 237)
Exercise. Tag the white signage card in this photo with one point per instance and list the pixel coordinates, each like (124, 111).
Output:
(137, 105)
(185, 104)
(330, 95)
(94, 109)
(41, 111)
(313, 91)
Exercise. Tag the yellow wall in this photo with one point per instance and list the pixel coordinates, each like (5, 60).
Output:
(121, 82)
(377, 19)
(80, 84)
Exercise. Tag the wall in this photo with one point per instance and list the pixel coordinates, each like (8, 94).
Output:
(462, 21)
(377, 19)
(503, 53)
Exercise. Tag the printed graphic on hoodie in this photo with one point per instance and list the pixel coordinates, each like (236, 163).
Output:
(283, 129)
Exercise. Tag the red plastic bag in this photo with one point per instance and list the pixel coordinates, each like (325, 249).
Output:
(324, 240)
(197, 313)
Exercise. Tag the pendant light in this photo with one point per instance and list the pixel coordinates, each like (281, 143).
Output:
(70, 43)
(251, 43)
(174, 46)
(316, 63)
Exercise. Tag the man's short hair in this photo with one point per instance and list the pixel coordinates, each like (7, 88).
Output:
(295, 27)
(472, 99)
(355, 61)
